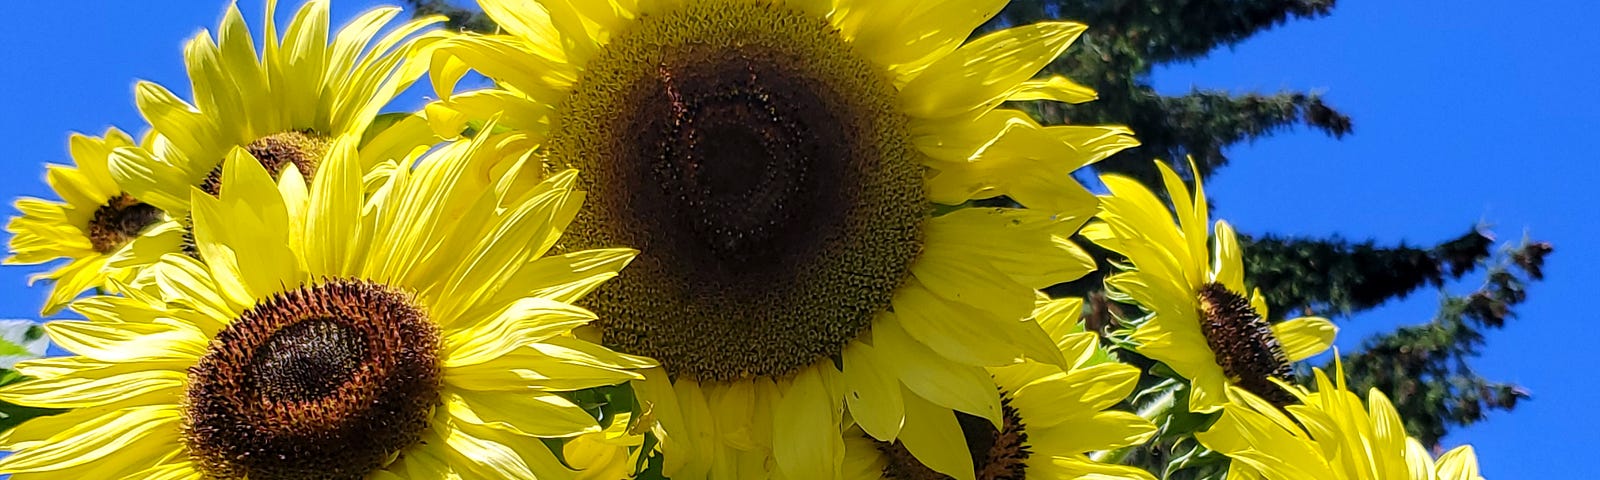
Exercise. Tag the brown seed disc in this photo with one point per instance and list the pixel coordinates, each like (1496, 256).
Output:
(327, 381)
(1244, 344)
(765, 174)
(997, 454)
(118, 221)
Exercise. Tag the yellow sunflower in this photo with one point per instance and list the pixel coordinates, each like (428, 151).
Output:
(95, 223)
(1328, 435)
(284, 106)
(1201, 323)
(1053, 418)
(419, 334)
(782, 166)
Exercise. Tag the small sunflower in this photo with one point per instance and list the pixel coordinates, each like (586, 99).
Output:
(420, 334)
(1328, 435)
(1201, 324)
(284, 106)
(790, 171)
(1052, 418)
(94, 224)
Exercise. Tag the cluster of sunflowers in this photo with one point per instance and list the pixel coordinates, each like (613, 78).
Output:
(688, 239)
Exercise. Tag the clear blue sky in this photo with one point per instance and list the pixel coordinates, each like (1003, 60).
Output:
(1490, 95)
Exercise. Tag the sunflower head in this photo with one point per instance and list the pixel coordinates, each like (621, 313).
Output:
(327, 333)
(92, 227)
(1204, 321)
(740, 143)
(794, 174)
(341, 376)
(284, 103)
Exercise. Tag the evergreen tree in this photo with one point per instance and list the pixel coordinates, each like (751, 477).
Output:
(1423, 368)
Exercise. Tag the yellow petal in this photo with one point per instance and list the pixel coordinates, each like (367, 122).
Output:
(521, 323)
(136, 432)
(152, 386)
(1096, 431)
(125, 342)
(485, 453)
(934, 378)
(1248, 437)
(958, 332)
(150, 180)
(533, 414)
(872, 392)
(962, 279)
(530, 22)
(979, 75)
(1080, 467)
(907, 35)
(333, 212)
(932, 435)
(1091, 389)
(1304, 337)
(1057, 88)
(1459, 463)
(806, 440)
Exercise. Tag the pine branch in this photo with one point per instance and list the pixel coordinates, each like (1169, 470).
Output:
(458, 18)
(1424, 369)
(1335, 277)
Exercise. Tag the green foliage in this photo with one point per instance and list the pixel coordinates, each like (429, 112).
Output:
(1308, 276)
(456, 18)
(1424, 368)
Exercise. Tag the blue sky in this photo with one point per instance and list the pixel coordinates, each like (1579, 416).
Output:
(1466, 111)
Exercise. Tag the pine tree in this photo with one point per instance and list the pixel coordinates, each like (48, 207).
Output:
(1424, 367)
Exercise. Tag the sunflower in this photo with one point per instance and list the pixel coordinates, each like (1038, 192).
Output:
(420, 334)
(95, 223)
(284, 106)
(1052, 418)
(790, 171)
(1328, 435)
(1201, 324)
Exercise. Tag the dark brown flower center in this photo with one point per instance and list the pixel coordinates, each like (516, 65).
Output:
(764, 173)
(997, 454)
(1244, 344)
(118, 221)
(325, 381)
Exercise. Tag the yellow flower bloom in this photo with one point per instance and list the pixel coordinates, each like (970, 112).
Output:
(780, 165)
(284, 106)
(1053, 418)
(416, 334)
(1202, 324)
(94, 225)
(1331, 435)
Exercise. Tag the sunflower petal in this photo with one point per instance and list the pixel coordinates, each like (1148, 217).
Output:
(1304, 337)
(982, 73)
